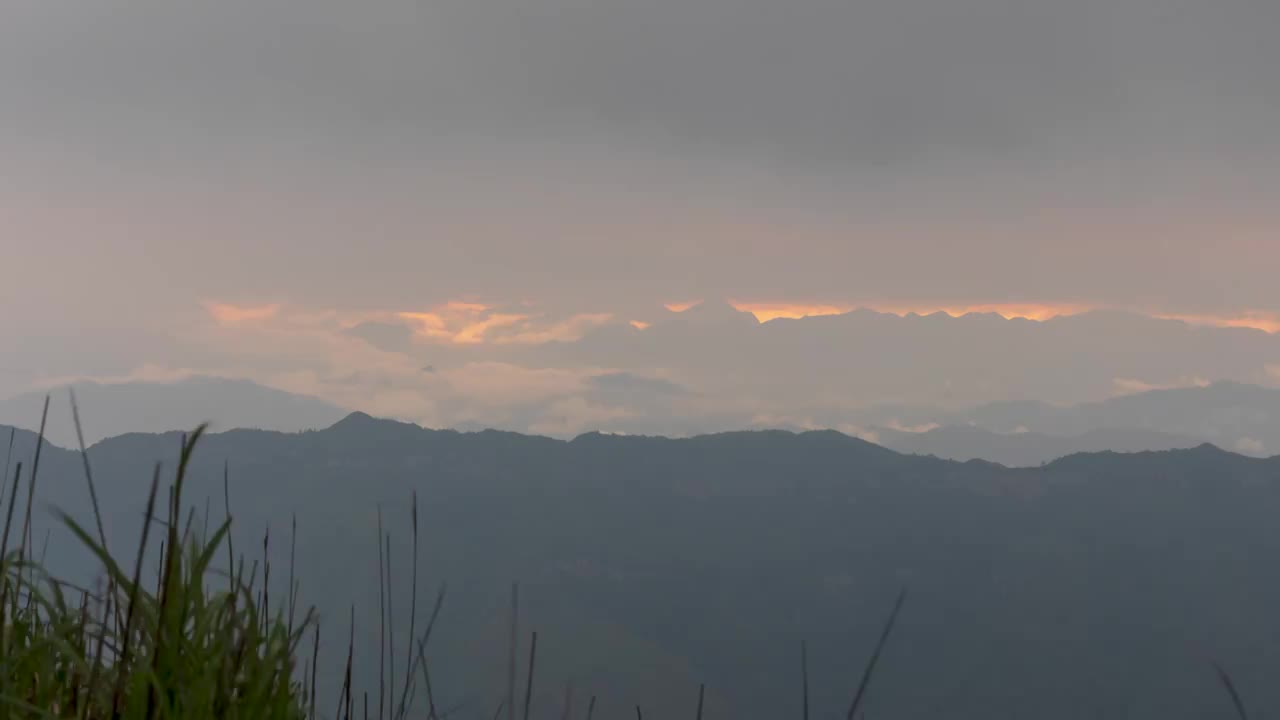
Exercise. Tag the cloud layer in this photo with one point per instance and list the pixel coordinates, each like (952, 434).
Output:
(708, 367)
(468, 210)
(608, 156)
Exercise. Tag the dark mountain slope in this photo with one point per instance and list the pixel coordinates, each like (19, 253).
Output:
(1096, 584)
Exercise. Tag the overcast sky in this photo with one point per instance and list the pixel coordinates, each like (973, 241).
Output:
(582, 158)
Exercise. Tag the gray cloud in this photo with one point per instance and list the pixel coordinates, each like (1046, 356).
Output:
(390, 337)
(625, 383)
(590, 156)
(852, 86)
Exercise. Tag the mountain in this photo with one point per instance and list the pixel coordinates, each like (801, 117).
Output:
(1022, 449)
(1096, 584)
(1236, 416)
(118, 408)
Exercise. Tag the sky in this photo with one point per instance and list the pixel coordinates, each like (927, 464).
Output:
(271, 188)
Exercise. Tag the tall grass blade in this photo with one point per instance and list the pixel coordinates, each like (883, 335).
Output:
(293, 547)
(31, 483)
(511, 655)
(528, 688)
(8, 457)
(875, 656)
(4, 575)
(97, 658)
(315, 662)
(567, 712)
(1230, 686)
(345, 695)
(266, 576)
(382, 623)
(804, 679)
(226, 505)
(88, 471)
(413, 604)
(391, 633)
(426, 679)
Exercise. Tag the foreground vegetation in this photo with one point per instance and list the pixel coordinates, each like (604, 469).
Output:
(172, 645)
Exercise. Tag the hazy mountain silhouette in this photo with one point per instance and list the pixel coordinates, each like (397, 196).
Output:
(1236, 416)
(649, 565)
(1022, 449)
(118, 408)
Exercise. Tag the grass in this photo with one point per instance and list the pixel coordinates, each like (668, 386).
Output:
(168, 646)
(177, 638)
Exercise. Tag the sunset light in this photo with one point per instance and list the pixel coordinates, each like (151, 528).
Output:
(679, 307)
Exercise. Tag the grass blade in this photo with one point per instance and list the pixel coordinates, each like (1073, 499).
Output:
(1225, 679)
(226, 505)
(88, 471)
(528, 688)
(391, 634)
(804, 678)
(567, 712)
(31, 484)
(413, 605)
(131, 611)
(511, 656)
(382, 624)
(875, 656)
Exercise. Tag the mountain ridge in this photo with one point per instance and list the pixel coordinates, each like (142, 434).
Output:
(361, 423)
(713, 551)
(144, 406)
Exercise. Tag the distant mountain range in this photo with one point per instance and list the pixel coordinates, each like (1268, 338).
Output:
(1022, 449)
(118, 408)
(1097, 583)
(1235, 416)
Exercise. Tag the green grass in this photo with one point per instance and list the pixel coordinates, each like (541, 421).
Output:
(176, 636)
(170, 644)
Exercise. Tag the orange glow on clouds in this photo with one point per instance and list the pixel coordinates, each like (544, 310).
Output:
(227, 314)
(475, 332)
(1008, 311)
(464, 323)
(1255, 320)
(459, 306)
(765, 312)
(475, 323)
(679, 307)
(563, 331)
(467, 323)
